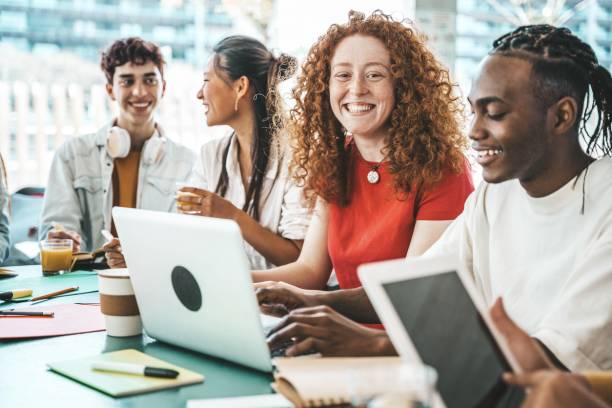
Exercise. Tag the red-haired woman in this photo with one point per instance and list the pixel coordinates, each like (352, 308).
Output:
(379, 144)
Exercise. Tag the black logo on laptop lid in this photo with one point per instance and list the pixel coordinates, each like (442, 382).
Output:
(186, 288)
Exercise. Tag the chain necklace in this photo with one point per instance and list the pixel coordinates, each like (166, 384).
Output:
(373, 175)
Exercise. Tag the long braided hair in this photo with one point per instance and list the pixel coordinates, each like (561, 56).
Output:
(238, 56)
(564, 65)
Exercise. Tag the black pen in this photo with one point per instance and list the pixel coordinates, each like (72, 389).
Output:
(18, 313)
(138, 369)
(15, 293)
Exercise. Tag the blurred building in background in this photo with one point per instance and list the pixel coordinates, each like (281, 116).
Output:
(438, 20)
(462, 31)
(480, 22)
(51, 87)
(186, 29)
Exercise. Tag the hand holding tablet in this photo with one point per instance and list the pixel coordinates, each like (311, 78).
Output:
(434, 314)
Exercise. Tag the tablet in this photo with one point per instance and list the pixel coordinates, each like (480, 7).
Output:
(434, 314)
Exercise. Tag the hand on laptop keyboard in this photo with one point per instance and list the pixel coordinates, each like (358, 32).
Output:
(279, 350)
(279, 298)
(273, 309)
(322, 330)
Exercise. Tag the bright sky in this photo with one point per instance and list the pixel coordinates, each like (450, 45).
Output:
(304, 21)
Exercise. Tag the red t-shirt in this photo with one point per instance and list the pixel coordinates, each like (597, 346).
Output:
(377, 224)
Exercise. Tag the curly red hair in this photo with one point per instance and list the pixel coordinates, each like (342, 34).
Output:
(425, 141)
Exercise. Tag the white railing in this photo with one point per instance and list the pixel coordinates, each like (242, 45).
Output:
(36, 118)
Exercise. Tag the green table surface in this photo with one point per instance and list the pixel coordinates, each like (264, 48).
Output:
(26, 381)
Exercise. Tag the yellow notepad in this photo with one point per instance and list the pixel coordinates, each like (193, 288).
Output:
(120, 385)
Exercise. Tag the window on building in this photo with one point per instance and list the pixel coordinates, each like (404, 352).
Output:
(13, 21)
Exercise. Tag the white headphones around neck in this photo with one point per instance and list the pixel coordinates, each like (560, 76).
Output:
(118, 145)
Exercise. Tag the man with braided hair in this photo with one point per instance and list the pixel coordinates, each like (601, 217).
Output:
(538, 231)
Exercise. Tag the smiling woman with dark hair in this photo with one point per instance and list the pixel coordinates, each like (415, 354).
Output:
(245, 175)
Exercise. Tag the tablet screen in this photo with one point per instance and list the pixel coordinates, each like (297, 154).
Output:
(449, 335)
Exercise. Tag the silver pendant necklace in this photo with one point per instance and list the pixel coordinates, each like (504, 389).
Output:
(373, 176)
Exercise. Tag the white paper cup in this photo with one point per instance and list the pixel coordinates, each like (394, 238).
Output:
(118, 303)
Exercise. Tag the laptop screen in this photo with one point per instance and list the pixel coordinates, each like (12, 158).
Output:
(450, 336)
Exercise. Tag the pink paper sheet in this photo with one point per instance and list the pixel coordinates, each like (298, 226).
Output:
(68, 319)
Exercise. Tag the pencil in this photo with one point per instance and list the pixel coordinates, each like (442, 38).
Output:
(53, 294)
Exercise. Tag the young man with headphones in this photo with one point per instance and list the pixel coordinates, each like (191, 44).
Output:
(128, 163)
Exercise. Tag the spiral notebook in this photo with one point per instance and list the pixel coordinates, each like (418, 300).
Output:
(322, 382)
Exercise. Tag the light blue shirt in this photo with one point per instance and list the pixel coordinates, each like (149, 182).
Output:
(79, 194)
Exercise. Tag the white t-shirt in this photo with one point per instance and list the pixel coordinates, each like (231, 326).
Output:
(551, 264)
(282, 206)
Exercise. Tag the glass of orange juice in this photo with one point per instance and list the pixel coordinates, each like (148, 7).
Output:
(180, 194)
(55, 256)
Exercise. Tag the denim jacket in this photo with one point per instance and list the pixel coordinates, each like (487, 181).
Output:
(79, 194)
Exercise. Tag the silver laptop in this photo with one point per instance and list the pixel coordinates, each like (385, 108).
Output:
(193, 286)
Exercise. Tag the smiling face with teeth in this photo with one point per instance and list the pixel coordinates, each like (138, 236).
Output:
(136, 88)
(218, 96)
(511, 131)
(361, 86)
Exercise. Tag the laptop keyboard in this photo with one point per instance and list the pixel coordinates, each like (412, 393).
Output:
(279, 351)
(268, 323)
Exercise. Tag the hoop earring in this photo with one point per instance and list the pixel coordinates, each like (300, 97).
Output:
(236, 104)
